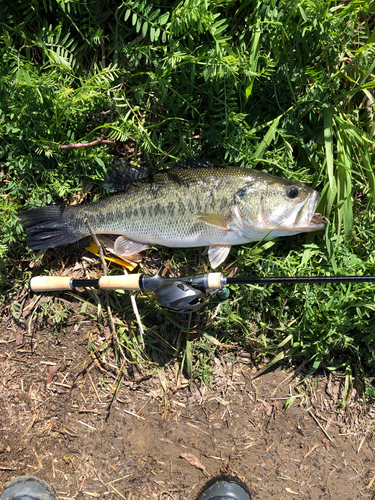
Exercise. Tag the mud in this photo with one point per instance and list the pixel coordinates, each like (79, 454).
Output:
(159, 441)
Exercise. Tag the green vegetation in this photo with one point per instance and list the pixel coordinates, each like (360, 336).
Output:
(287, 87)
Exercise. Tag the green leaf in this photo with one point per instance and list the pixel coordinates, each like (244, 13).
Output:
(328, 140)
(370, 174)
(315, 366)
(371, 38)
(254, 54)
(100, 161)
(268, 138)
(189, 358)
(163, 19)
(144, 29)
(152, 34)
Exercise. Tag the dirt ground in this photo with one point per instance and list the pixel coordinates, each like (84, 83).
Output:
(161, 442)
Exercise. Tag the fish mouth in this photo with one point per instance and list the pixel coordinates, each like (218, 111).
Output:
(303, 218)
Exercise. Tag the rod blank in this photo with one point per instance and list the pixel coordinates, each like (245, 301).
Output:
(300, 279)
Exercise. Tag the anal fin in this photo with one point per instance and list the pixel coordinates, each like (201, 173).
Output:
(124, 247)
(217, 254)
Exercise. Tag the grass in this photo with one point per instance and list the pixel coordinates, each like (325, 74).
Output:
(287, 88)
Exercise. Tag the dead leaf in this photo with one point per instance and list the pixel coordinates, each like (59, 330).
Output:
(193, 460)
(269, 410)
(163, 381)
(232, 272)
(326, 443)
(52, 370)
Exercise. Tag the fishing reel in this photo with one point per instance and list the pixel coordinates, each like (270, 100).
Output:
(182, 295)
(179, 297)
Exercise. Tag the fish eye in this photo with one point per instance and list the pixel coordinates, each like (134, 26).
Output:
(292, 192)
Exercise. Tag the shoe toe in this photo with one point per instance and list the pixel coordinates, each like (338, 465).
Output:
(28, 488)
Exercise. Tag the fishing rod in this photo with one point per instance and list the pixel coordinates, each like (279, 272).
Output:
(183, 294)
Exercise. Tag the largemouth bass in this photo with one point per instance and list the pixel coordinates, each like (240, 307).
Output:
(195, 204)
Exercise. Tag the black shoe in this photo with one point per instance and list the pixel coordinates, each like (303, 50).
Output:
(28, 488)
(225, 488)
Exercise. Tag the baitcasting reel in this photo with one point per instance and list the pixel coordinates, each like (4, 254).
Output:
(179, 297)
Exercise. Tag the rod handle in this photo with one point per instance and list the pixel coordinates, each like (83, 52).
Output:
(49, 283)
(124, 282)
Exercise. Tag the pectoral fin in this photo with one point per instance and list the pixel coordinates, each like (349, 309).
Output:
(124, 247)
(217, 254)
(215, 220)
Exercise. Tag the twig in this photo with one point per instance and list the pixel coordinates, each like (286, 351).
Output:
(289, 397)
(96, 392)
(94, 237)
(37, 457)
(118, 380)
(136, 312)
(109, 310)
(287, 478)
(320, 426)
(199, 428)
(87, 425)
(117, 491)
(40, 404)
(134, 414)
(35, 308)
(312, 449)
(101, 254)
(87, 144)
(268, 449)
(361, 443)
(119, 479)
(289, 377)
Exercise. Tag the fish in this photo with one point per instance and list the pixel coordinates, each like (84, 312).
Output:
(192, 205)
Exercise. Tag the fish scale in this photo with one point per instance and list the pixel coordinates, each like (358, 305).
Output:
(184, 207)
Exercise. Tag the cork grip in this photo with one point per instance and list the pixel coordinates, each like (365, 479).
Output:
(49, 283)
(127, 282)
(214, 281)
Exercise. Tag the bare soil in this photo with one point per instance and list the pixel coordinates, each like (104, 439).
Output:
(159, 441)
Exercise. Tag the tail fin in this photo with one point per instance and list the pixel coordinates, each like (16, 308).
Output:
(48, 227)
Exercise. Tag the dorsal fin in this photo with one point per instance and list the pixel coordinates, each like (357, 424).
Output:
(197, 163)
(120, 174)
